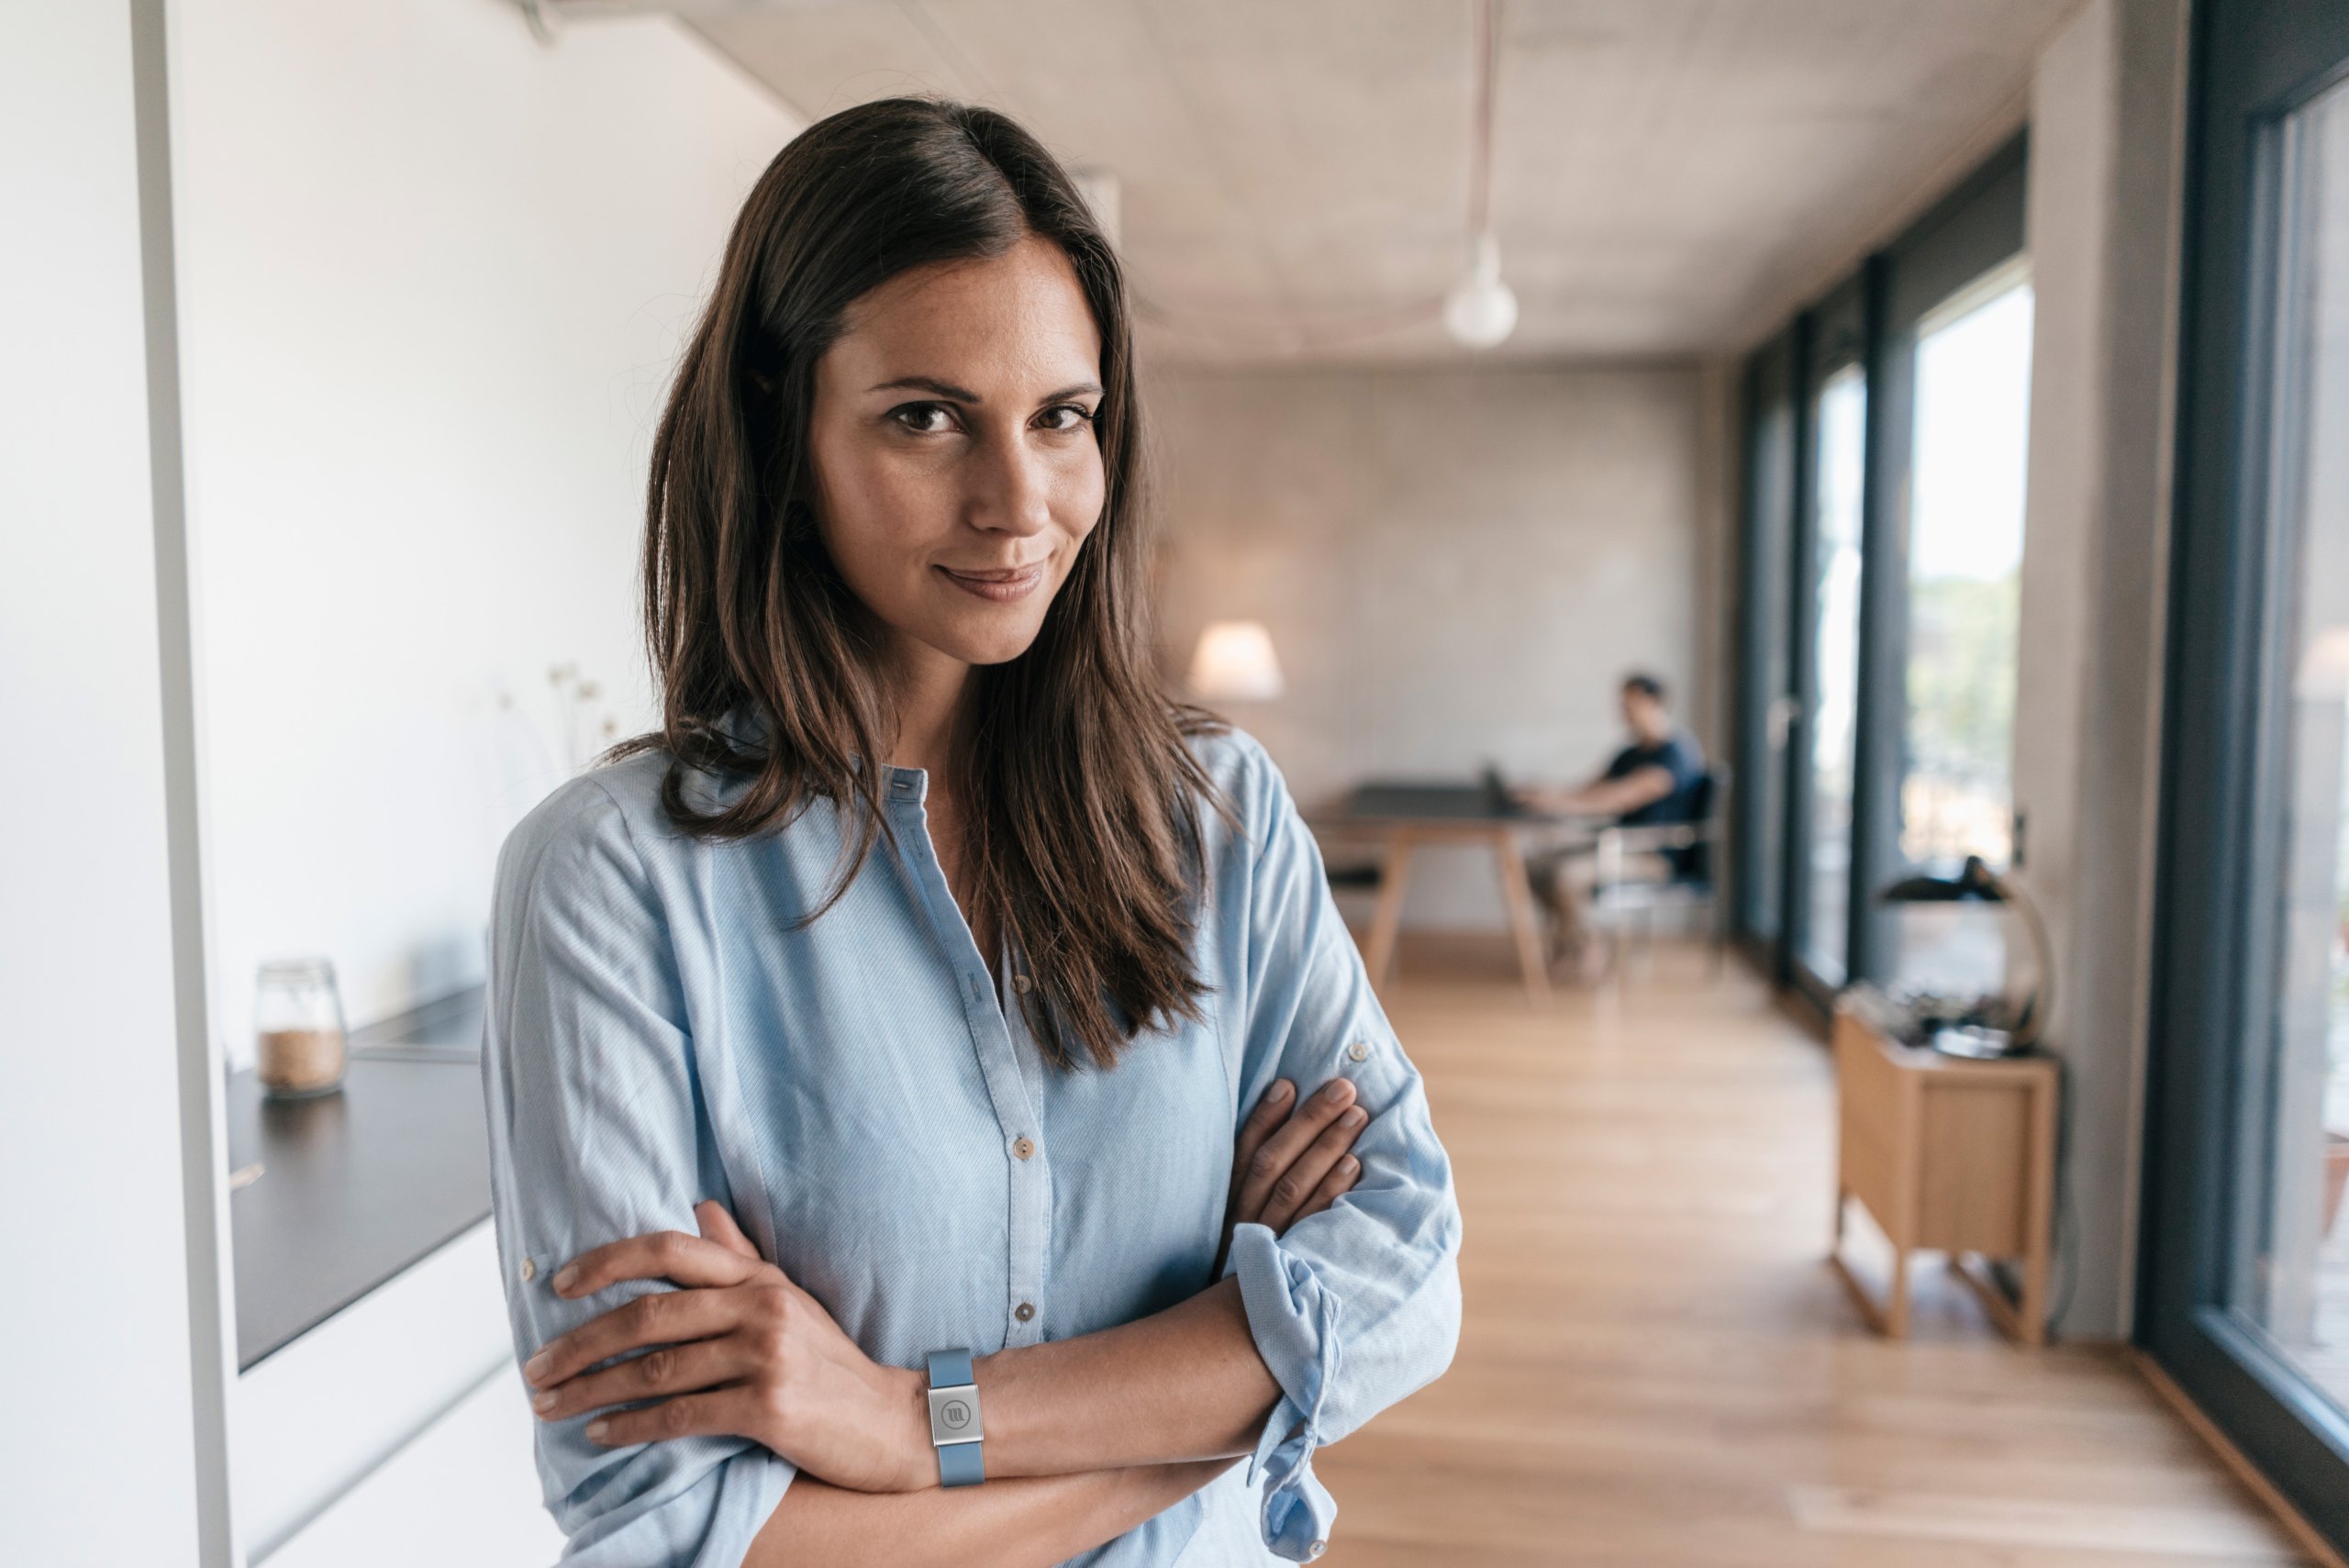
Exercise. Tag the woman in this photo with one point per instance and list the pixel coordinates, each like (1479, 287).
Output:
(800, 1069)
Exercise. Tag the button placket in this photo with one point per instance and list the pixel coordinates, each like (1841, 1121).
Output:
(1010, 1094)
(1031, 1177)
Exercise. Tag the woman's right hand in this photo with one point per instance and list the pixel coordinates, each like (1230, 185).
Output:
(1288, 1162)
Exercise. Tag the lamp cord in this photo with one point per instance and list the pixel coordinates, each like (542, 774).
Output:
(1480, 142)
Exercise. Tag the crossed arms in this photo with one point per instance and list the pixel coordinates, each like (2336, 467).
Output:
(1087, 1437)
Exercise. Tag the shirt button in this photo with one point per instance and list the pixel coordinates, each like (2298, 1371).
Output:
(1358, 1051)
(529, 1270)
(1023, 1147)
(1022, 985)
(1317, 1549)
(1024, 1311)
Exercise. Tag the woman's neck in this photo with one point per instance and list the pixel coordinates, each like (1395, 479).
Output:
(926, 688)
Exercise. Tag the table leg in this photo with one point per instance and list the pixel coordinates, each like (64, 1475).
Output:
(1518, 894)
(2038, 1259)
(1386, 925)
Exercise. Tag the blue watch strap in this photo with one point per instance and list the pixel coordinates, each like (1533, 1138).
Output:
(959, 1463)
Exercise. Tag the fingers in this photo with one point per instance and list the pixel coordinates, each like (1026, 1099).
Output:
(664, 1370)
(718, 1225)
(1305, 1174)
(659, 1254)
(1278, 1152)
(1336, 1184)
(663, 1318)
(1260, 1125)
(729, 1412)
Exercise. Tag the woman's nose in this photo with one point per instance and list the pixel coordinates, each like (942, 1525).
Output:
(1014, 492)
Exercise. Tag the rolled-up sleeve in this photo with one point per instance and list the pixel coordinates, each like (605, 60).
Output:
(1356, 1306)
(597, 1132)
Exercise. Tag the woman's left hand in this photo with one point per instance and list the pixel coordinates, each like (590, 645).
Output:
(739, 1350)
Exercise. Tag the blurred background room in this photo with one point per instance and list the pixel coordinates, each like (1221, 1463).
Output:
(1795, 554)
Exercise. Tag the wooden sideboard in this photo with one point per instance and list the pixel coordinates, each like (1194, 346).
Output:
(1948, 1155)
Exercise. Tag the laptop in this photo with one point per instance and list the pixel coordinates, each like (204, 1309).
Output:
(1498, 798)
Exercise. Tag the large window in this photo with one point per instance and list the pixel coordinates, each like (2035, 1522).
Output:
(1972, 423)
(1766, 701)
(1967, 388)
(1840, 419)
(1886, 723)
(2246, 1267)
(2291, 1274)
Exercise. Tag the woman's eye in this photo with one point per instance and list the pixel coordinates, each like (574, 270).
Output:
(922, 418)
(1067, 417)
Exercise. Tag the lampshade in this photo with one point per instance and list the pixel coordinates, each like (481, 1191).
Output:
(2323, 674)
(1481, 310)
(1974, 882)
(1234, 662)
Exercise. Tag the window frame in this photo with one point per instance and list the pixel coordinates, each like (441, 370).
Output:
(2252, 62)
(1867, 320)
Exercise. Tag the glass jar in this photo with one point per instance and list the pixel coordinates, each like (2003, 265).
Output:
(297, 1029)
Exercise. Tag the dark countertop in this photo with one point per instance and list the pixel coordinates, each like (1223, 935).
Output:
(358, 1184)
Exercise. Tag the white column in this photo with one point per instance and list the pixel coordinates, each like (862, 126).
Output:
(113, 1449)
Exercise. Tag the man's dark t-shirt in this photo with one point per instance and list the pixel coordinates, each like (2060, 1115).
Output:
(1678, 755)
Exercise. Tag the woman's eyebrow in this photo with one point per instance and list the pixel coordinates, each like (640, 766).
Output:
(926, 383)
(963, 394)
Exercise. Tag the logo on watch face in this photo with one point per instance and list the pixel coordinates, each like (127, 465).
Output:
(955, 1414)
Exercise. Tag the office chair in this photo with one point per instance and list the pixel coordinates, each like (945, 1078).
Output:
(1619, 904)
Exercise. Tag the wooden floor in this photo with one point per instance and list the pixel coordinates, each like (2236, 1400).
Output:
(1655, 1367)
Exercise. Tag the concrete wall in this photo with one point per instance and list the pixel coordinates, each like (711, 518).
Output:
(1454, 566)
(435, 274)
(2102, 220)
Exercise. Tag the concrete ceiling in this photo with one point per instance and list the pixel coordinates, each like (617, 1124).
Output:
(1670, 175)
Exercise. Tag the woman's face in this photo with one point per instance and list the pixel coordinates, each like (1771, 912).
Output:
(956, 468)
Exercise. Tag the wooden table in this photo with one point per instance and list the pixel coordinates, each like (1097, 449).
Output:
(1949, 1155)
(1403, 817)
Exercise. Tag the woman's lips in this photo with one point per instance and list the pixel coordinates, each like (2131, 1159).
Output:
(1001, 586)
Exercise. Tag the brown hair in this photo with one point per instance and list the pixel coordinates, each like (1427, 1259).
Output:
(1082, 796)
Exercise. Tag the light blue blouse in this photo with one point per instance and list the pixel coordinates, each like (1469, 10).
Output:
(855, 1091)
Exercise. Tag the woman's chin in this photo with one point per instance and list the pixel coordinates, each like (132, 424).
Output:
(988, 639)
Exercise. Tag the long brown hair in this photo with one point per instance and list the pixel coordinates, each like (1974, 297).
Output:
(1083, 798)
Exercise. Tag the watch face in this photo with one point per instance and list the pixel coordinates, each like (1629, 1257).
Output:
(954, 1415)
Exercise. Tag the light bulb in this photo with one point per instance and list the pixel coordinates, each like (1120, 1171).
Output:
(1481, 310)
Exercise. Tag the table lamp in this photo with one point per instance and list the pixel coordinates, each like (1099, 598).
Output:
(1234, 662)
(1977, 883)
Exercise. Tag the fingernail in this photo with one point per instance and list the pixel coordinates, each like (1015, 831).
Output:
(536, 1367)
(597, 1428)
(1349, 1164)
(566, 1276)
(544, 1400)
(1355, 1118)
(1338, 1090)
(1279, 1091)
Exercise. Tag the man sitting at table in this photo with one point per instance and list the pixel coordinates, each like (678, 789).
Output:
(1650, 782)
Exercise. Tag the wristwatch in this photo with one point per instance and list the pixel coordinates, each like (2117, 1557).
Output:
(954, 1419)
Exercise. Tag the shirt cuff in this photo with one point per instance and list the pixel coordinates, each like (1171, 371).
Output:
(1294, 1322)
(710, 1522)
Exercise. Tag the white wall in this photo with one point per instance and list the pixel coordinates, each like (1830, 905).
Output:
(1455, 565)
(2102, 232)
(434, 275)
(100, 1450)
